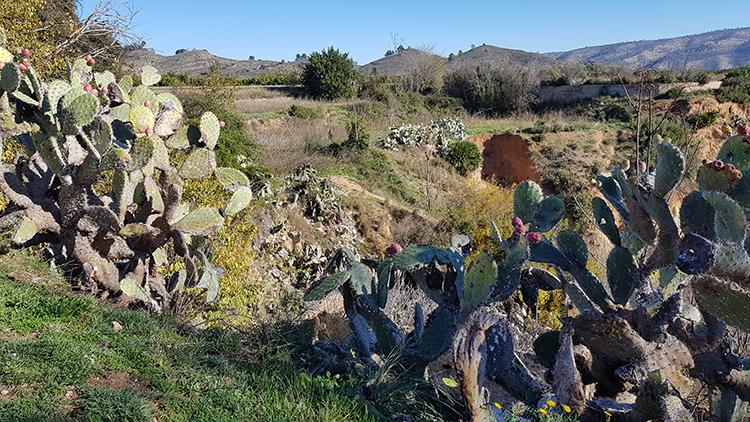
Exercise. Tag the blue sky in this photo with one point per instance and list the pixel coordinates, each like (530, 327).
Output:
(278, 29)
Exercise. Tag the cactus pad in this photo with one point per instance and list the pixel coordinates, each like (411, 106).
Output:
(170, 101)
(231, 179)
(49, 149)
(549, 212)
(79, 112)
(736, 151)
(55, 91)
(210, 281)
(5, 55)
(210, 129)
(526, 199)
(167, 122)
(724, 300)
(161, 154)
(239, 201)
(104, 79)
(670, 165)
(713, 178)
(605, 220)
(622, 274)
(25, 229)
(142, 119)
(697, 254)
(179, 140)
(572, 245)
(729, 218)
(199, 164)
(120, 112)
(10, 78)
(134, 289)
(79, 73)
(201, 222)
(150, 76)
(126, 83)
(478, 283)
(141, 153)
(142, 96)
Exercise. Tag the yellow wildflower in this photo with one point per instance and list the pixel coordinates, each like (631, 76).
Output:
(498, 405)
(551, 403)
(607, 414)
(566, 408)
(543, 411)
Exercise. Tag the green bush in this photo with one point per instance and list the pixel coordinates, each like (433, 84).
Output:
(302, 112)
(705, 119)
(464, 156)
(286, 78)
(329, 75)
(736, 86)
(495, 91)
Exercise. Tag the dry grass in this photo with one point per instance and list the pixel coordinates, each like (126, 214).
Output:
(288, 142)
(251, 105)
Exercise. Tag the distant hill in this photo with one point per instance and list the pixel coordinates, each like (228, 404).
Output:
(398, 63)
(711, 50)
(497, 56)
(198, 62)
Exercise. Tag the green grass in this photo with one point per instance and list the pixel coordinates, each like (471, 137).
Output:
(56, 348)
(377, 171)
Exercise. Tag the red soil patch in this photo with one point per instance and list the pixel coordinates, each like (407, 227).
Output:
(506, 158)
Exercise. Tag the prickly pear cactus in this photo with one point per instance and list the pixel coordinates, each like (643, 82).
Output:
(90, 125)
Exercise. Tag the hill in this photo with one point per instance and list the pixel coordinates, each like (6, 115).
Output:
(497, 56)
(198, 62)
(399, 63)
(711, 50)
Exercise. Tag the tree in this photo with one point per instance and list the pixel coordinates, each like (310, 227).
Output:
(451, 57)
(330, 74)
(400, 48)
(389, 53)
(251, 58)
(55, 34)
(180, 51)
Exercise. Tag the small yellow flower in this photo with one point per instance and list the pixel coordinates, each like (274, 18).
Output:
(551, 403)
(543, 411)
(566, 408)
(607, 414)
(483, 407)
(450, 382)
(498, 405)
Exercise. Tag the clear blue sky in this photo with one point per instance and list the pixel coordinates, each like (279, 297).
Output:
(278, 29)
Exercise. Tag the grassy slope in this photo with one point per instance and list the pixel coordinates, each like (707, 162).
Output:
(61, 359)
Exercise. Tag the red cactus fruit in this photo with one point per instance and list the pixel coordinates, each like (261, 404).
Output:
(105, 91)
(393, 249)
(736, 175)
(88, 88)
(26, 52)
(222, 123)
(517, 221)
(717, 165)
(2, 65)
(744, 131)
(24, 67)
(147, 103)
(533, 237)
(90, 60)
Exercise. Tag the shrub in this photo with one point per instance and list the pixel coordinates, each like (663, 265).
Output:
(736, 86)
(329, 75)
(491, 90)
(285, 78)
(303, 112)
(705, 119)
(464, 156)
(441, 132)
